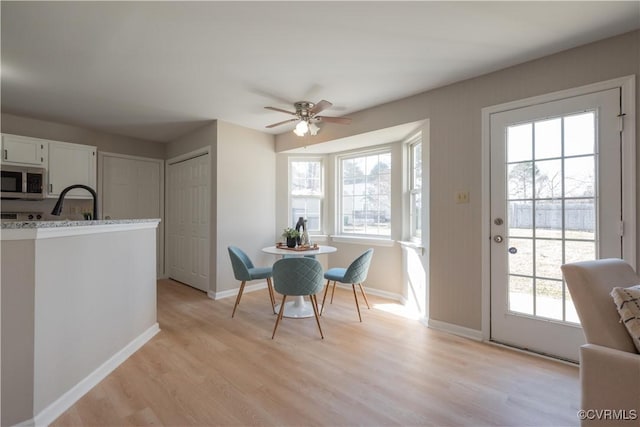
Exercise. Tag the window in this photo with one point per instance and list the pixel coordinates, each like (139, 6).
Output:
(306, 192)
(415, 189)
(365, 191)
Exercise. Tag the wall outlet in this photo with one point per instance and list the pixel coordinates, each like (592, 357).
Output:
(462, 197)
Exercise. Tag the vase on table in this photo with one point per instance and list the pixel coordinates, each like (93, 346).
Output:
(291, 242)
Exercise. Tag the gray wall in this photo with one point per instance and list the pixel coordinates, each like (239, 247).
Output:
(27, 126)
(454, 157)
(246, 198)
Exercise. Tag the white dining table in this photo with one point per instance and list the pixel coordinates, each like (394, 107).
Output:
(298, 308)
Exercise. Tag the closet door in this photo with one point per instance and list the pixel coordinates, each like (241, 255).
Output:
(188, 185)
(133, 188)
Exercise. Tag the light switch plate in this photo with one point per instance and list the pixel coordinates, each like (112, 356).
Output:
(462, 197)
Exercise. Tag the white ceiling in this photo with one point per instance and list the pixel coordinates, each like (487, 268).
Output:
(155, 70)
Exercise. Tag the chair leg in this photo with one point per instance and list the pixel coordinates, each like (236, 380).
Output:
(238, 298)
(364, 295)
(333, 291)
(324, 298)
(284, 297)
(272, 297)
(314, 304)
(353, 285)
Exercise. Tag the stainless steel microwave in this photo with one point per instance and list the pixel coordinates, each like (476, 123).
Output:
(23, 182)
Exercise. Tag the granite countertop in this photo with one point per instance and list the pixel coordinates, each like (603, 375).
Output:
(14, 225)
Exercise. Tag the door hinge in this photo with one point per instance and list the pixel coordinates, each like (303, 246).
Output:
(621, 228)
(621, 121)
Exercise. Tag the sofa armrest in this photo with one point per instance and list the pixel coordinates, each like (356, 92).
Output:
(609, 380)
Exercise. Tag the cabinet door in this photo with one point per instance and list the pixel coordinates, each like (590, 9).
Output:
(24, 150)
(71, 164)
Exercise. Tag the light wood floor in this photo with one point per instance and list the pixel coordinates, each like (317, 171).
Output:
(206, 369)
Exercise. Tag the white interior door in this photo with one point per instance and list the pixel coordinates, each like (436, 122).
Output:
(133, 188)
(555, 198)
(188, 221)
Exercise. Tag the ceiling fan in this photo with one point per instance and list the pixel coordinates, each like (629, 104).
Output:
(307, 116)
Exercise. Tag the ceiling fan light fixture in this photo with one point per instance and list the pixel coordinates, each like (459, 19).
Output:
(313, 129)
(301, 128)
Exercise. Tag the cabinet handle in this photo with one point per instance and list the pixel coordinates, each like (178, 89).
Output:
(5, 154)
(50, 188)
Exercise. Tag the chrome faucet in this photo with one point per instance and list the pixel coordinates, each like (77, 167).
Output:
(58, 207)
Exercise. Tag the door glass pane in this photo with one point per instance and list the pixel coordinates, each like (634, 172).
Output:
(580, 219)
(551, 217)
(579, 251)
(547, 138)
(580, 177)
(548, 254)
(521, 294)
(520, 219)
(520, 181)
(519, 143)
(548, 179)
(549, 299)
(579, 134)
(521, 256)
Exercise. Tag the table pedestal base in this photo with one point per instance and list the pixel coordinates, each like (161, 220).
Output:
(297, 309)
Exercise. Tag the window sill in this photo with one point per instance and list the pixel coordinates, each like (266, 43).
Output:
(412, 245)
(360, 240)
(318, 238)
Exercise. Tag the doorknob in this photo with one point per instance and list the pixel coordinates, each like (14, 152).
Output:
(498, 238)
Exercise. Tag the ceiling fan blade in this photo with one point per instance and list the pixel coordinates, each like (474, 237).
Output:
(320, 106)
(281, 123)
(340, 120)
(281, 110)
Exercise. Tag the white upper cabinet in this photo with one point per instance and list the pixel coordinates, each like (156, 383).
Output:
(71, 164)
(22, 150)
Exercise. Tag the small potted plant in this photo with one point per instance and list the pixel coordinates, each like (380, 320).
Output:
(291, 234)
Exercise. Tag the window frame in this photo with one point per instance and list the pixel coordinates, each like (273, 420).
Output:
(339, 191)
(413, 190)
(321, 197)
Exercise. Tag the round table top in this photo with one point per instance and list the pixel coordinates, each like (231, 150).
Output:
(322, 249)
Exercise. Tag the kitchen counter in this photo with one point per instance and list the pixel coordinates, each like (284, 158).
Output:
(12, 225)
(78, 298)
(20, 230)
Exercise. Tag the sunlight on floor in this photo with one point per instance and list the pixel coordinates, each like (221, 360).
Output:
(399, 310)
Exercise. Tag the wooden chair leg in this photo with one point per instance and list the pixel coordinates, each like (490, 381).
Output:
(353, 285)
(333, 291)
(324, 298)
(238, 298)
(364, 295)
(272, 297)
(314, 304)
(284, 297)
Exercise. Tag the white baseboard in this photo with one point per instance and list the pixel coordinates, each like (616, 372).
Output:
(64, 402)
(233, 292)
(377, 292)
(263, 285)
(473, 334)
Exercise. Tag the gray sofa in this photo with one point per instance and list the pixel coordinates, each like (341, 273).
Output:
(609, 362)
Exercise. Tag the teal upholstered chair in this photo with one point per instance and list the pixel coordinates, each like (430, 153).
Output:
(244, 270)
(298, 277)
(356, 273)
